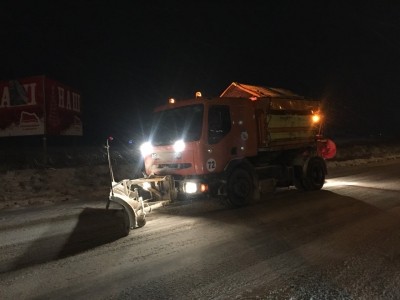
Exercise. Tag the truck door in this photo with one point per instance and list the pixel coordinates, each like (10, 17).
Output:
(219, 144)
(219, 123)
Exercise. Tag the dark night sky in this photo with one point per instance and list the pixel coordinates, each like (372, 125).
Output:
(127, 58)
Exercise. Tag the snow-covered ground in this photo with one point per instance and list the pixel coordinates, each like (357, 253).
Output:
(35, 186)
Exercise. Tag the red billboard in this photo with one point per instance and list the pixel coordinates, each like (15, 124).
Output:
(39, 106)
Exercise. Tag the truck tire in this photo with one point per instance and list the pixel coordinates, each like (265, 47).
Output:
(314, 177)
(240, 187)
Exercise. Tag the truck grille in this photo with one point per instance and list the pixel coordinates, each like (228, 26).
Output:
(175, 166)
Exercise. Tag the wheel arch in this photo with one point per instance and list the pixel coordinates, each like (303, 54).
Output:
(240, 163)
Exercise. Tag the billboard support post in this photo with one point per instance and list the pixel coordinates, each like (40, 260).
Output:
(44, 140)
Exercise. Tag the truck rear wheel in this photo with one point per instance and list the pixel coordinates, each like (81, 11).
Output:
(314, 177)
(240, 187)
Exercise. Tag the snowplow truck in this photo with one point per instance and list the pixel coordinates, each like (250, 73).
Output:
(237, 146)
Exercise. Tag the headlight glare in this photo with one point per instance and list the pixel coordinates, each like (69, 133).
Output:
(190, 187)
(146, 149)
(179, 146)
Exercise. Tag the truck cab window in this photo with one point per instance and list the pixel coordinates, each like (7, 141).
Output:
(219, 123)
(179, 123)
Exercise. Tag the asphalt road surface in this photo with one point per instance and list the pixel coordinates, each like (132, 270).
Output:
(342, 242)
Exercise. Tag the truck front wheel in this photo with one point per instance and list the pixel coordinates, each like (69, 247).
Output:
(240, 187)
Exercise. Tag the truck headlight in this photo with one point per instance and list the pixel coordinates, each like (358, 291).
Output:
(190, 187)
(146, 149)
(179, 146)
(195, 187)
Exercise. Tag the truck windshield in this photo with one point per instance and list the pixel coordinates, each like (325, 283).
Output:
(175, 124)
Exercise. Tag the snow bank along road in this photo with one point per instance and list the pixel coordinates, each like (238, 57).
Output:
(342, 242)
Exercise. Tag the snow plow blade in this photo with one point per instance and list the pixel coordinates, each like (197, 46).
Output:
(130, 193)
